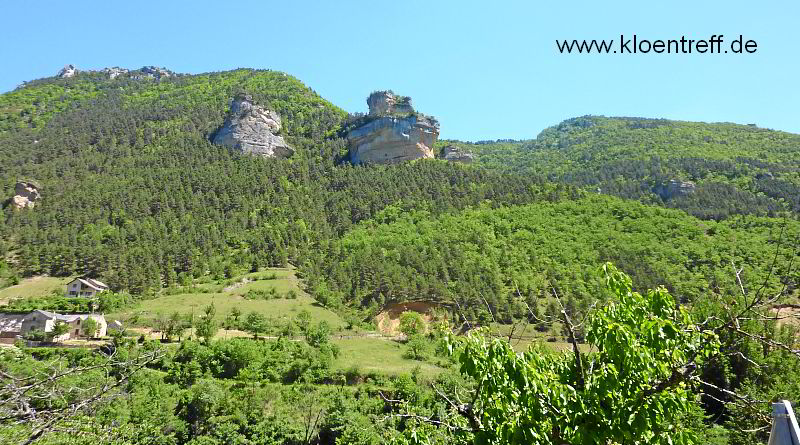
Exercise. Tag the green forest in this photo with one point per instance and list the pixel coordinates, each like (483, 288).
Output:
(649, 313)
(738, 169)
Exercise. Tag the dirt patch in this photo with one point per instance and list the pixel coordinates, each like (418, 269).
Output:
(237, 285)
(787, 314)
(232, 333)
(388, 320)
(150, 334)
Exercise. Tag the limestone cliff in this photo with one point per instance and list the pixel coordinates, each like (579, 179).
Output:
(252, 129)
(26, 193)
(392, 132)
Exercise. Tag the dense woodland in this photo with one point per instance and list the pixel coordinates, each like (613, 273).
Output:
(504, 254)
(738, 169)
(134, 193)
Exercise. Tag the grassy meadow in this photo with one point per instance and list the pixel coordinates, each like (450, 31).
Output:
(33, 287)
(368, 351)
(225, 297)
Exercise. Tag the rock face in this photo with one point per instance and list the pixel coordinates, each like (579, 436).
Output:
(67, 71)
(392, 139)
(393, 132)
(115, 72)
(385, 102)
(25, 195)
(145, 72)
(674, 188)
(252, 129)
(151, 72)
(457, 154)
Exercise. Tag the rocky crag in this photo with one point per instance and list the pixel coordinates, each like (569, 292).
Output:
(145, 72)
(26, 193)
(386, 102)
(150, 72)
(455, 153)
(115, 71)
(67, 71)
(252, 129)
(392, 132)
(674, 188)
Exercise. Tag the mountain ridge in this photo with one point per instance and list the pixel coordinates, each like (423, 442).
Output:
(134, 191)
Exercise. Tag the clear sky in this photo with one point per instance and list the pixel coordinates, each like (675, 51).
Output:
(486, 70)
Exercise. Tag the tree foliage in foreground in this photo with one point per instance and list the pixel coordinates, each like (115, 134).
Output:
(639, 381)
(632, 387)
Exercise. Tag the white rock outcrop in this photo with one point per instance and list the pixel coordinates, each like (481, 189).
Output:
(115, 71)
(388, 139)
(67, 71)
(386, 102)
(457, 154)
(392, 132)
(25, 195)
(675, 187)
(253, 129)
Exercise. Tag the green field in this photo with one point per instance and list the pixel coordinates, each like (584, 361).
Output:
(378, 355)
(226, 297)
(367, 354)
(33, 287)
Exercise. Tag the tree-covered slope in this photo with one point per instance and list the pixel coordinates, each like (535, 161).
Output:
(491, 257)
(134, 192)
(177, 98)
(738, 169)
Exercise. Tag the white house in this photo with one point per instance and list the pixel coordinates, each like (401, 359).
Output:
(45, 321)
(85, 287)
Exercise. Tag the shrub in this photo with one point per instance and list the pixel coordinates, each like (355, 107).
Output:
(418, 347)
(411, 324)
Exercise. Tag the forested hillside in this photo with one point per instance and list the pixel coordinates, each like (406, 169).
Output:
(488, 259)
(133, 192)
(737, 169)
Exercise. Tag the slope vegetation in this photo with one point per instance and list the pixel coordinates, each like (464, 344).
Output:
(738, 169)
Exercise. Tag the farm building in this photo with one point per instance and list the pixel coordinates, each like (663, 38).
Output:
(85, 287)
(45, 321)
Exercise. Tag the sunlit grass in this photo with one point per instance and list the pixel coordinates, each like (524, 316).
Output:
(224, 301)
(378, 355)
(34, 287)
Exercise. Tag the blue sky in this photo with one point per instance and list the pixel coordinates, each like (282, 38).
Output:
(487, 70)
